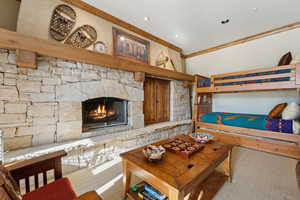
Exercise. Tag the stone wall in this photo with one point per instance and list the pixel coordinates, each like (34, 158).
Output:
(43, 106)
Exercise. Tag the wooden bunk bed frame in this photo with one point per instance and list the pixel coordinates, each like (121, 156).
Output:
(268, 141)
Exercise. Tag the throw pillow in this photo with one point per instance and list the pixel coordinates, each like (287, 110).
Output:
(296, 127)
(291, 112)
(285, 59)
(277, 110)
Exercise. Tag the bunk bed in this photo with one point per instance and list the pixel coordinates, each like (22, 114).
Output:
(251, 131)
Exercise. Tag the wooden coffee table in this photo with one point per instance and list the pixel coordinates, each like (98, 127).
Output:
(176, 176)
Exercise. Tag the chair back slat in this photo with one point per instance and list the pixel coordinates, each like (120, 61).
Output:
(36, 181)
(32, 168)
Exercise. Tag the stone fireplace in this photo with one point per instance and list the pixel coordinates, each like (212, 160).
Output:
(64, 101)
(104, 112)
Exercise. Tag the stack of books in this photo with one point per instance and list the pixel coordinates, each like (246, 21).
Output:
(149, 193)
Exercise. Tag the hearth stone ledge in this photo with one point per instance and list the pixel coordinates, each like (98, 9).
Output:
(97, 150)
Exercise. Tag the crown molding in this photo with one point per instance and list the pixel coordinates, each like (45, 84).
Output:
(246, 39)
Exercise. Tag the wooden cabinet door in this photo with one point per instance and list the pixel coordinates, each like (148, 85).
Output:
(149, 101)
(156, 100)
(162, 101)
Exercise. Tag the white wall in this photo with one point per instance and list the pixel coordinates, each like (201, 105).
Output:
(259, 53)
(35, 20)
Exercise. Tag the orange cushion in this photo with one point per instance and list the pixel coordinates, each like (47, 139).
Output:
(57, 190)
(277, 110)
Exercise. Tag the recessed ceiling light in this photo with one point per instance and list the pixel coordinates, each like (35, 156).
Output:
(255, 9)
(225, 21)
(122, 38)
(146, 19)
(177, 36)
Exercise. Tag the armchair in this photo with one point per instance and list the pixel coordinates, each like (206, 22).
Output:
(61, 188)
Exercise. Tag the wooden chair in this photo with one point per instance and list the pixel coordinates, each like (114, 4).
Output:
(11, 174)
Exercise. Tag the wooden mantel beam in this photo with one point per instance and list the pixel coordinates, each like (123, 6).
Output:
(13, 40)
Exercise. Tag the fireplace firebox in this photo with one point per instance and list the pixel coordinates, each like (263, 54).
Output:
(104, 112)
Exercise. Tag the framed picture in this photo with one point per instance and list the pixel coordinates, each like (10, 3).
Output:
(130, 46)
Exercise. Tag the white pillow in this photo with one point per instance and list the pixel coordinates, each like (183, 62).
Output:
(291, 112)
(296, 127)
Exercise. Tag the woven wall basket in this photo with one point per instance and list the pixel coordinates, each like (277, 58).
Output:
(62, 22)
(82, 37)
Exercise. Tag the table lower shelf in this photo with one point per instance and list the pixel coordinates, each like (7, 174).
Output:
(207, 189)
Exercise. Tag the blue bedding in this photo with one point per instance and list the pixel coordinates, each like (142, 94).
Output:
(260, 122)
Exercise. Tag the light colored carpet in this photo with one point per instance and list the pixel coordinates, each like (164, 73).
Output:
(256, 176)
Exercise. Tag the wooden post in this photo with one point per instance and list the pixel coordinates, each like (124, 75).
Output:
(298, 173)
(26, 59)
(57, 169)
(126, 178)
(176, 194)
(227, 167)
(139, 76)
(1, 147)
(212, 82)
(298, 74)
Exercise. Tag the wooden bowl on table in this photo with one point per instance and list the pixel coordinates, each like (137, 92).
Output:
(202, 137)
(154, 153)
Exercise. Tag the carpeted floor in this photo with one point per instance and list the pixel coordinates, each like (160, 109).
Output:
(256, 176)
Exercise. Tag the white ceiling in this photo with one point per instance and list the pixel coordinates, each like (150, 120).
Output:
(197, 22)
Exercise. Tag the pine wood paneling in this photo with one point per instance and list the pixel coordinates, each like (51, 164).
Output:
(156, 100)
(163, 100)
(149, 101)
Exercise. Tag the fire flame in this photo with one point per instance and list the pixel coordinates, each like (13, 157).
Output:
(101, 112)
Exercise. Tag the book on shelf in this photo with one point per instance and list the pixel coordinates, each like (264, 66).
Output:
(155, 193)
(146, 192)
(145, 196)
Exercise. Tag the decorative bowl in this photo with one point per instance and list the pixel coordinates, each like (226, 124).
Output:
(154, 153)
(202, 137)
